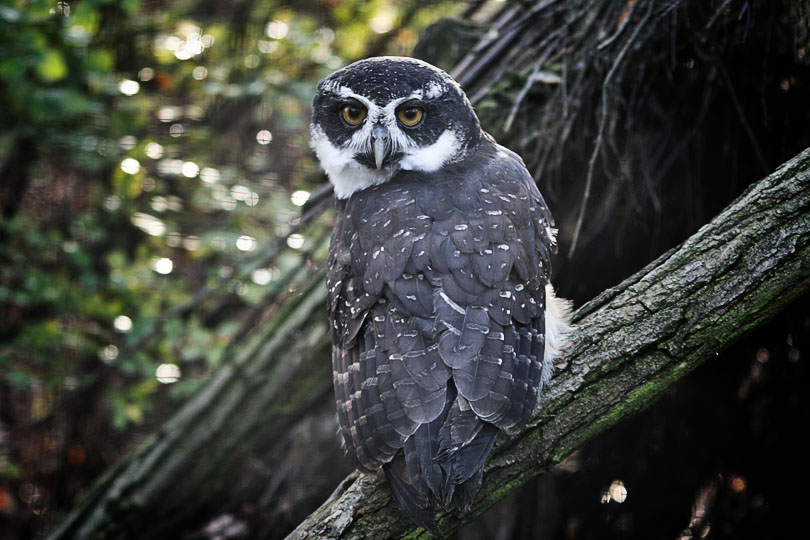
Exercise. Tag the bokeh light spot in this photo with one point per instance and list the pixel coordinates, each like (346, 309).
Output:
(167, 373)
(246, 243)
(162, 265)
(122, 324)
(129, 87)
(128, 142)
(167, 114)
(300, 197)
(108, 353)
(148, 224)
(264, 137)
(154, 150)
(295, 241)
(738, 484)
(252, 199)
(267, 47)
(130, 165)
(239, 192)
(209, 175)
(191, 243)
(382, 23)
(112, 203)
(190, 169)
(277, 29)
(261, 276)
(615, 492)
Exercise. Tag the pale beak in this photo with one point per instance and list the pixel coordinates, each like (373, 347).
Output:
(380, 138)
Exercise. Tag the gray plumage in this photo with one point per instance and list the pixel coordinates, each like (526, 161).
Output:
(436, 283)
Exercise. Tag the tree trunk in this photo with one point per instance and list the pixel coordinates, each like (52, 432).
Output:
(631, 343)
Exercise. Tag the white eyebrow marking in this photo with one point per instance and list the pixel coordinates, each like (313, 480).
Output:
(434, 90)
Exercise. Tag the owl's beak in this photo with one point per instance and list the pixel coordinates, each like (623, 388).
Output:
(380, 141)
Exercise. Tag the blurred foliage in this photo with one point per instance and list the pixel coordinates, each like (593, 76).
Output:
(153, 157)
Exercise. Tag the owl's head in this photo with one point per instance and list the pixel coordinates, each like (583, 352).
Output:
(382, 115)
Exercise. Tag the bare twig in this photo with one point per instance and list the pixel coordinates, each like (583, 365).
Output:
(530, 81)
(741, 113)
(606, 88)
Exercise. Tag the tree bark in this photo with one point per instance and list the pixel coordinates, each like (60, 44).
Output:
(631, 343)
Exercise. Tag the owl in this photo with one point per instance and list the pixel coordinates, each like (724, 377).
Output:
(444, 324)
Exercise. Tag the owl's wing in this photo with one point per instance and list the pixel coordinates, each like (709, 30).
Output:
(437, 291)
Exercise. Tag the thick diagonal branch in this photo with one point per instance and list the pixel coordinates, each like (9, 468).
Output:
(632, 342)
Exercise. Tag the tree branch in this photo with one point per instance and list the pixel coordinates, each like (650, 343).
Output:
(632, 342)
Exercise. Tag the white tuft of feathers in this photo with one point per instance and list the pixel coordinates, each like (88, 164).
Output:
(558, 327)
(434, 89)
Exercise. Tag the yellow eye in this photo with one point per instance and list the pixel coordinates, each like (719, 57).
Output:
(410, 116)
(353, 114)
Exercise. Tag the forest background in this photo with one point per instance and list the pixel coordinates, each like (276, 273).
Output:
(156, 231)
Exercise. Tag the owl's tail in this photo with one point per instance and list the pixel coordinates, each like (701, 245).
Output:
(413, 502)
(441, 464)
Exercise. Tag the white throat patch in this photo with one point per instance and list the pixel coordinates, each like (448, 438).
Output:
(343, 171)
(431, 158)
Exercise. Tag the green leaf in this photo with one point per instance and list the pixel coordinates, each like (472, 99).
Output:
(99, 60)
(52, 66)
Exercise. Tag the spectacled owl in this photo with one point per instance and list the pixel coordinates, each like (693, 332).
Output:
(444, 324)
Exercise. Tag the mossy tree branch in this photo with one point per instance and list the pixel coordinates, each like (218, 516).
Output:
(632, 342)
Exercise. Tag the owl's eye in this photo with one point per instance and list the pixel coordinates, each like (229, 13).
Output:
(410, 116)
(353, 114)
